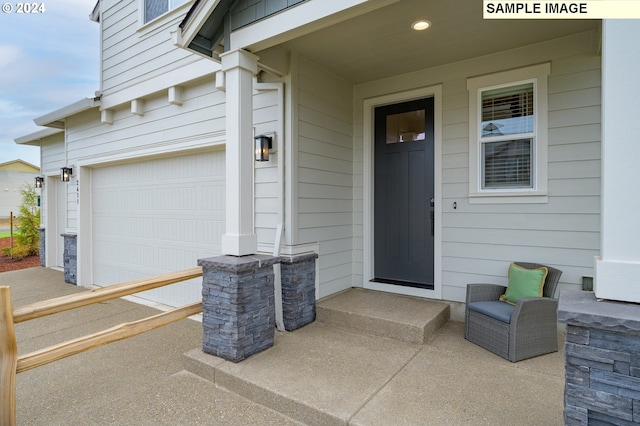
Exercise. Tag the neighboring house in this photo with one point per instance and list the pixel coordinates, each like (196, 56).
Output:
(14, 176)
(410, 161)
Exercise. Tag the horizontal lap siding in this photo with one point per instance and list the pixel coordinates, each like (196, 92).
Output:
(131, 55)
(267, 187)
(478, 240)
(163, 129)
(325, 173)
(163, 126)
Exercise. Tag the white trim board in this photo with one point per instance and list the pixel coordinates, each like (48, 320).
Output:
(368, 179)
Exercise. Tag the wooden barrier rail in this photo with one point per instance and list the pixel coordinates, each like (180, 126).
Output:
(11, 363)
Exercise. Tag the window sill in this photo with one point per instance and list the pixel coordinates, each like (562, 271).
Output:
(528, 197)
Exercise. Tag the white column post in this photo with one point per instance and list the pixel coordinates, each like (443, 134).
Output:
(239, 67)
(618, 267)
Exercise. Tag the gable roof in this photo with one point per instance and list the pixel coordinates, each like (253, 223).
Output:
(207, 39)
(208, 24)
(19, 166)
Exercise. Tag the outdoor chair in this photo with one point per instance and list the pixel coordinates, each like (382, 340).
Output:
(517, 331)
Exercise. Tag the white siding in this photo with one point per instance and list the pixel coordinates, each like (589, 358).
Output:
(133, 53)
(268, 189)
(480, 239)
(325, 173)
(52, 155)
(163, 128)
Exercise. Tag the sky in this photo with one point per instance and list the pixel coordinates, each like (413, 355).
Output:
(48, 60)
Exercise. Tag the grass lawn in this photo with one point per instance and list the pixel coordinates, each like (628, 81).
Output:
(6, 234)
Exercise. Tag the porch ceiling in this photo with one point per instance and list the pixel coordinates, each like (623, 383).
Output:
(381, 43)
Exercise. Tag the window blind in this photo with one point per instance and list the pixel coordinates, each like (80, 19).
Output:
(507, 110)
(507, 164)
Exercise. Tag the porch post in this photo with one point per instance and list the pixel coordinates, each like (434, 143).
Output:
(618, 268)
(239, 67)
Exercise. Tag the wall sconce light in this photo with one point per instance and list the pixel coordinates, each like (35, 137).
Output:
(39, 181)
(65, 174)
(263, 145)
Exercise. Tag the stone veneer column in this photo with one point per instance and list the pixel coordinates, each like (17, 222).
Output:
(602, 360)
(70, 258)
(298, 275)
(238, 305)
(42, 246)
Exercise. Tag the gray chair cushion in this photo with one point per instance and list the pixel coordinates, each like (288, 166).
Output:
(495, 309)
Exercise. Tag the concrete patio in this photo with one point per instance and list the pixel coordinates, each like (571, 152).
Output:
(320, 374)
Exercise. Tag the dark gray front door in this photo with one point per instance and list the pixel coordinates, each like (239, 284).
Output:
(404, 191)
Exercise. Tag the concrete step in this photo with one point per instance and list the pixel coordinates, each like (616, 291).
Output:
(326, 372)
(393, 316)
(316, 375)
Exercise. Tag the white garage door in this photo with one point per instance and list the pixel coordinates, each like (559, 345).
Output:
(157, 216)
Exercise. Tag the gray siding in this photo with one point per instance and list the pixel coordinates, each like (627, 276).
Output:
(325, 173)
(479, 240)
(248, 11)
(268, 188)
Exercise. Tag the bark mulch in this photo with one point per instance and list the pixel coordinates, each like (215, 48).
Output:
(9, 264)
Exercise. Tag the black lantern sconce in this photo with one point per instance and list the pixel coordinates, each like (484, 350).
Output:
(263, 145)
(39, 181)
(65, 174)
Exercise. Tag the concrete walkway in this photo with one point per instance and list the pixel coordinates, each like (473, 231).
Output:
(355, 379)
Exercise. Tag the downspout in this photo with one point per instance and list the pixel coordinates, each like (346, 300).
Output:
(279, 143)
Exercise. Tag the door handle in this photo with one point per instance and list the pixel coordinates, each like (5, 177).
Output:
(432, 215)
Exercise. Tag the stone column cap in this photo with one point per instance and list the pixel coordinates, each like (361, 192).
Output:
(69, 235)
(582, 309)
(296, 258)
(238, 264)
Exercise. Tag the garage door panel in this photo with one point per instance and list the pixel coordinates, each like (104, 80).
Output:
(157, 216)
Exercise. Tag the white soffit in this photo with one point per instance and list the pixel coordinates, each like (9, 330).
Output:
(302, 19)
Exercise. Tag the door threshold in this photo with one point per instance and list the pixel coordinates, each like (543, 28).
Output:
(403, 283)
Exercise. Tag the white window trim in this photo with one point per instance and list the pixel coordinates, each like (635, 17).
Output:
(475, 85)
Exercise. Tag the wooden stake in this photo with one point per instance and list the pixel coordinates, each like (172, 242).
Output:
(11, 235)
(8, 360)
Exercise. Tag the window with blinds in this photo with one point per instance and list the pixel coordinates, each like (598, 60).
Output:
(507, 136)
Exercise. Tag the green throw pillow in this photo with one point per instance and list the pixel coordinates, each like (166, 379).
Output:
(524, 283)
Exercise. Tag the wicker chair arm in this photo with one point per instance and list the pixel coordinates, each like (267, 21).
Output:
(484, 292)
(534, 310)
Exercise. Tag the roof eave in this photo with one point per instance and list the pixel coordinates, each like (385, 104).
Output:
(56, 118)
(95, 13)
(35, 139)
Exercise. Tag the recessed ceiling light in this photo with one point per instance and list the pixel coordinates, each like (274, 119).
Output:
(421, 25)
